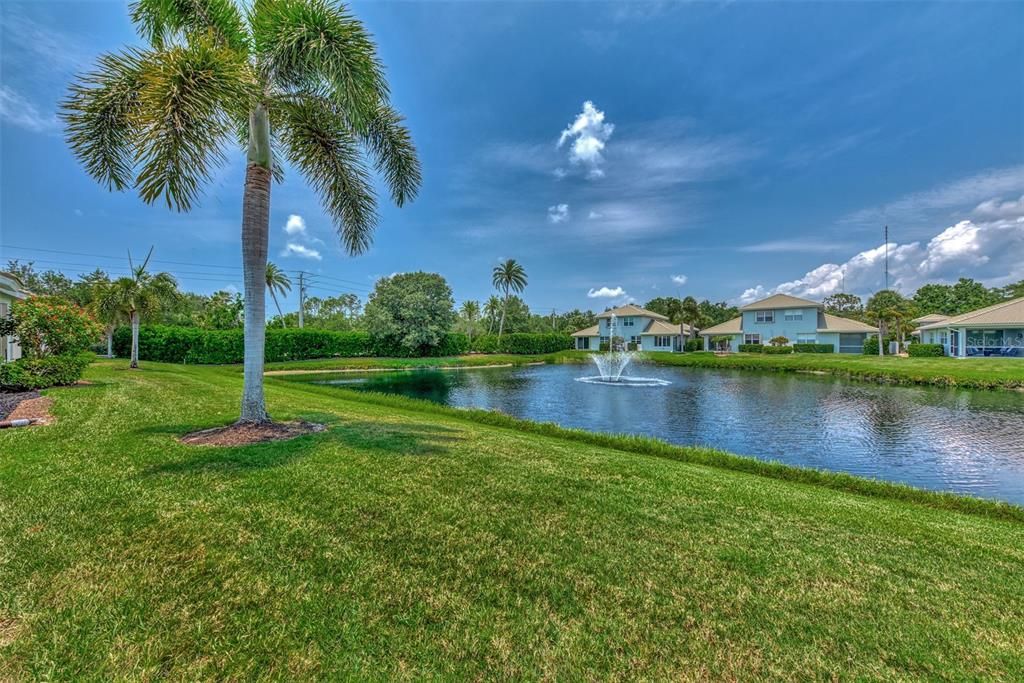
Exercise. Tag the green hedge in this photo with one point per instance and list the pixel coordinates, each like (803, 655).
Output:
(694, 345)
(26, 374)
(522, 343)
(813, 348)
(203, 347)
(750, 348)
(925, 350)
(776, 350)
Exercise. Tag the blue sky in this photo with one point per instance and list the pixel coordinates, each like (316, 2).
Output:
(728, 150)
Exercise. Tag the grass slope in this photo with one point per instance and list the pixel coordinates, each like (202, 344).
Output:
(406, 543)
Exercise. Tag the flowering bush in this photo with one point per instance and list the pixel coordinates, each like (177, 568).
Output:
(46, 326)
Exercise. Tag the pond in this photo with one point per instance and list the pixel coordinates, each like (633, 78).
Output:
(969, 442)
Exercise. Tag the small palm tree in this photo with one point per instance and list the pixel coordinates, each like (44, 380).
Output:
(470, 313)
(492, 309)
(107, 304)
(278, 282)
(508, 277)
(138, 296)
(281, 79)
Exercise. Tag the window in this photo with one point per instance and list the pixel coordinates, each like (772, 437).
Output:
(751, 339)
(662, 340)
(627, 322)
(852, 343)
(806, 338)
(794, 316)
(764, 316)
(634, 340)
(583, 343)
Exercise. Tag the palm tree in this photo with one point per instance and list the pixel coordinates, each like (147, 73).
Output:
(107, 303)
(491, 310)
(278, 282)
(470, 313)
(283, 79)
(689, 314)
(138, 296)
(508, 277)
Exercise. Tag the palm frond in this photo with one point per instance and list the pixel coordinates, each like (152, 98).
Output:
(191, 99)
(318, 142)
(315, 44)
(161, 22)
(392, 147)
(100, 117)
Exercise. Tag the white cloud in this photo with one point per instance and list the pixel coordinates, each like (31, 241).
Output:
(793, 246)
(606, 293)
(293, 249)
(18, 111)
(992, 252)
(593, 215)
(588, 133)
(993, 208)
(296, 225)
(679, 279)
(559, 213)
(559, 173)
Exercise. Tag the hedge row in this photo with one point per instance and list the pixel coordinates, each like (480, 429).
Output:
(925, 350)
(813, 348)
(27, 374)
(522, 343)
(795, 348)
(750, 348)
(202, 347)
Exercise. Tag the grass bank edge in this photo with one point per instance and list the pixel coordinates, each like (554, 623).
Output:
(698, 455)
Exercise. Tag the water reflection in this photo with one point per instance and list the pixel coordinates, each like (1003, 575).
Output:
(942, 439)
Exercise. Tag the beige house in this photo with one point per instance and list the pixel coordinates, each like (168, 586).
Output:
(11, 290)
(642, 329)
(991, 331)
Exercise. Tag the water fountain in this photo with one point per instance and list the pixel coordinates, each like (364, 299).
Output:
(613, 362)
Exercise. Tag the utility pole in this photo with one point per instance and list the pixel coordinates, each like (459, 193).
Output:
(887, 257)
(302, 297)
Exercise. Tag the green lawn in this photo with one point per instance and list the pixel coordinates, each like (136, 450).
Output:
(412, 541)
(979, 373)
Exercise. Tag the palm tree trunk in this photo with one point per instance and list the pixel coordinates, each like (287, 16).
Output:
(280, 315)
(110, 342)
(255, 235)
(881, 337)
(504, 307)
(135, 340)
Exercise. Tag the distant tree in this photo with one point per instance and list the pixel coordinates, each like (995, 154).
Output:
(970, 295)
(470, 312)
(278, 282)
(222, 311)
(668, 306)
(842, 304)
(108, 310)
(517, 316)
(1012, 291)
(689, 312)
(887, 308)
(414, 309)
(716, 313)
(46, 283)
(577, 320)
(508, 277)
(142, 295)
(492, 311)
(934, 298)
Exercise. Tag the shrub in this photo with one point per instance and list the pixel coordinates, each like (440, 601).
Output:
(47, 326)
(776, 349)
(925, 350)
(871, 345)
(778, 341)
(750, 348)
(604, 347)
(813, 348)
(694, 345)
(26, 374)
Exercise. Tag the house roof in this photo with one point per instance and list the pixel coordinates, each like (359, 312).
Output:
(11, 285)
(780, 301)
(631, 309)
(728, 327)
(833, 323)
(586, 332)
(930, 318)
(1005, 313)
(661, 327)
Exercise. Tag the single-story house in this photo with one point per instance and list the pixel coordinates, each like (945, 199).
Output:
(647, 330)
(800, 321)
(991, 331)
(11, 290)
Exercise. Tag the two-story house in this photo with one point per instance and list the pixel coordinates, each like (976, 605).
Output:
(637, 327)
(800, 321)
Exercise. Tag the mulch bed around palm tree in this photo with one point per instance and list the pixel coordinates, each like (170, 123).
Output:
(245, 434)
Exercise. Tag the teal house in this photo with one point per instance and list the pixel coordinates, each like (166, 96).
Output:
(800, 321)
(635, 328)
(992, 331)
